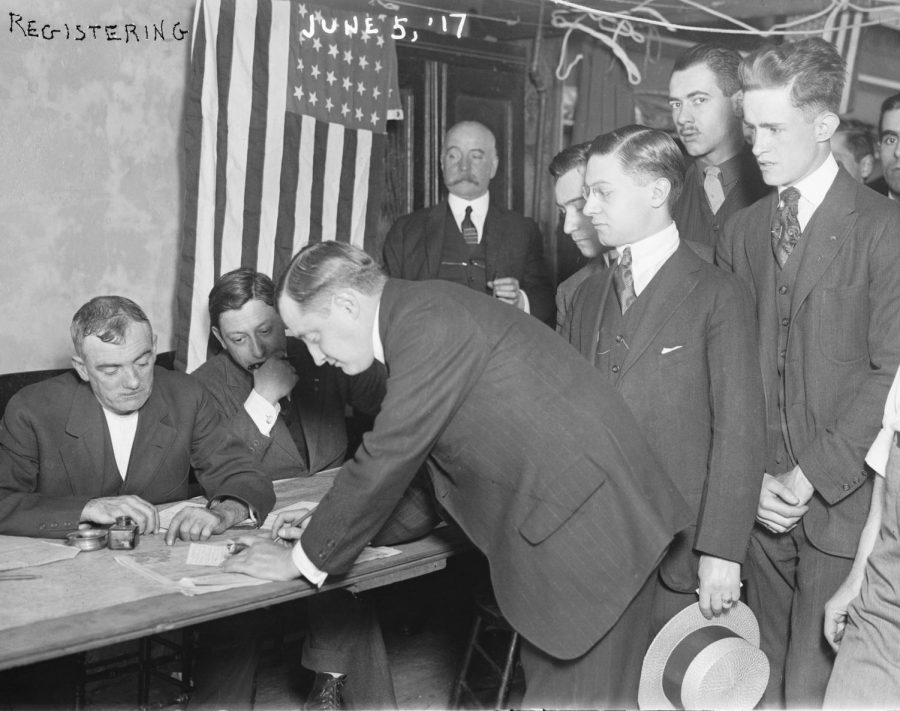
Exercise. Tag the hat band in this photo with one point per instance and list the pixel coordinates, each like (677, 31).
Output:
(684, 653)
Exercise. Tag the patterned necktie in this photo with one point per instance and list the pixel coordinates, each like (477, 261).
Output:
(786, 226)
(623, 280)
(470, 232)
(712, 186)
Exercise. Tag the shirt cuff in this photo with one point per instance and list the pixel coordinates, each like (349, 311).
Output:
(263, 413)
(306, 568)
(526, 305)
(879, 451)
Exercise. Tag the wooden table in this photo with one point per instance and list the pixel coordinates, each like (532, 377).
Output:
(77, 605)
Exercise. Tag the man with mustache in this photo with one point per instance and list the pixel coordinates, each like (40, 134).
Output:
(705, 97)
(467, 238)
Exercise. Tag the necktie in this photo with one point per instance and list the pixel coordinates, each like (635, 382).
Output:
(470, 232)
(712, 186)
(786, 227)
(623, 280)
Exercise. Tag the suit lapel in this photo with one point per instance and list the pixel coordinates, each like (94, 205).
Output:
(825, 234)
(759, 250)
(595, 305)
(433, 241)
(670, 287)
(152, 441)
(82, 455)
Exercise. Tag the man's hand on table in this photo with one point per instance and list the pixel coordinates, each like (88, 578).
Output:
(262, 559)
(109, 508)
(194, 523)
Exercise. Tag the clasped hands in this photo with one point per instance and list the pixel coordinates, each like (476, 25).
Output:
(783, 500)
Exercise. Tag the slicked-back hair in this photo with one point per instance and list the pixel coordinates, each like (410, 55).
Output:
(569, 159)
(722, 61)
(858, 138)
(645, 154)
(892, 103)
(812, 68)
(318, 271)
(107, 318)
(235, 288)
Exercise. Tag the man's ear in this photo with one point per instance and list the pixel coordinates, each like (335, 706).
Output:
(217, 333)
(866, 166)
(347, 301)
(659, 192)
(826, 124)
(80, 367)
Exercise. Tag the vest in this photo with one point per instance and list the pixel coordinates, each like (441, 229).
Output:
(617, 332)
(462, 263)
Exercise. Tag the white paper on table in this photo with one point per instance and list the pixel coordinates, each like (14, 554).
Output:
(213, 554)
(23, 552)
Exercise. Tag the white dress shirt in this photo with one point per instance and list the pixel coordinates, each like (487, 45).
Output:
(813, 189)
(122, 429)
(263, 413)
(649, 254)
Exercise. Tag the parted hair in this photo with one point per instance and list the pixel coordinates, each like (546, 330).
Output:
(107, 318)
(722, 61)
(812, 68)
(235, 288)
(644, 154)
(891, 103)
(318, 271)
(568, 159)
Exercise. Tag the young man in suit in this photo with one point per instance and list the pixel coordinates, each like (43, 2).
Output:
(571, 510)
(705, 97)
(289, 412)
(469, 240)
(889, 148)
(822, 258)
(671, 333)
(567, 169)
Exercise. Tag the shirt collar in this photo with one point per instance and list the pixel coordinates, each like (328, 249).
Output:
(815, 185)
(377, 345)
(649, 254)
(479, 206)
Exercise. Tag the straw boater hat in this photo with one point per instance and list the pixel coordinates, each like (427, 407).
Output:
(695, 663)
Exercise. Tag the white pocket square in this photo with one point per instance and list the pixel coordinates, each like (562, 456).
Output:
(669, 350)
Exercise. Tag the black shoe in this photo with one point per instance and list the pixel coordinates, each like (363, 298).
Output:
(325, 694)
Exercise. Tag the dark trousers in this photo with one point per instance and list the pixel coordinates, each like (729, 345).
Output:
(606, 676)
(788, 583)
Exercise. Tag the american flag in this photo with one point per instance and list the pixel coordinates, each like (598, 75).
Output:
(286, 112)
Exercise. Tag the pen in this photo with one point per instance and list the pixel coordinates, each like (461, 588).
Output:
(19, 577)
(294, 524)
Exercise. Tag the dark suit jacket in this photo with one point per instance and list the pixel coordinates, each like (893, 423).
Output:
(843, 345)
(320, 396)
(535, 457)
(565, 292)
(879, 185)
(692, 213)
(512, 243)
(55, 454)
(697, 396)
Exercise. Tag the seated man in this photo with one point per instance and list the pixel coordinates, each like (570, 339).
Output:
(116, 438)
(290, 414)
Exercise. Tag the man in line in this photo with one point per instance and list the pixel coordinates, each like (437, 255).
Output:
(115, 438)
(290, 415)
(567, 169)
(822, 258)
(853, 149)
(469, 240)
(570, 509)
(671, 333)
(889, 148)
(723, 177)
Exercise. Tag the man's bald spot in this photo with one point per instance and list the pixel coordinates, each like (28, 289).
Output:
(474, 127)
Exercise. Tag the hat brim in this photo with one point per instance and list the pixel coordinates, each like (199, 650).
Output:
(739, 619)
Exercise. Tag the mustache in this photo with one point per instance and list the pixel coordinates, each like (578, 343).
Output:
(467, 178)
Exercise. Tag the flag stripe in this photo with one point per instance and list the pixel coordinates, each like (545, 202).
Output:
(240, 101)
(256, 143)
(331, 182)
(290, 180)
(303, 196)
(320, 155)
(347, 188)
(279, 52)
(366, 223)
(224, 51)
